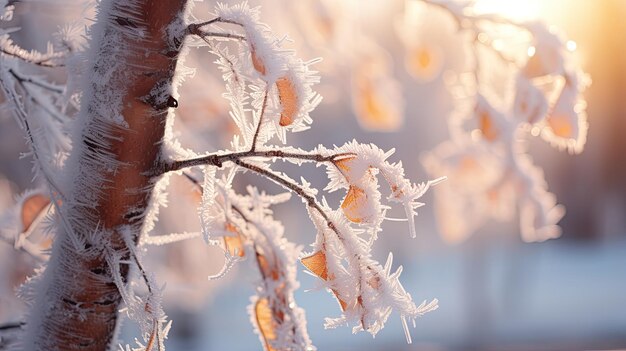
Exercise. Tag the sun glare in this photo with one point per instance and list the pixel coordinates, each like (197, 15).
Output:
(520, 10)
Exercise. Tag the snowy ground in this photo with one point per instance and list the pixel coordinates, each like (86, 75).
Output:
(550, 296)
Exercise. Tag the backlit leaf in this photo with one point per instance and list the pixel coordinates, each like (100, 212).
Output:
(258, 64)
(487, 126)
(265, 322)
(234, 244)
(354, 205)
(316, 263)
(288, 97)
(342, 303)
(32, 206)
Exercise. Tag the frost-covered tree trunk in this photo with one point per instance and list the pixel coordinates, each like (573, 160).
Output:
(110, 173)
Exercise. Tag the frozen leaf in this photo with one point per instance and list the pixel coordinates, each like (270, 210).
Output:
(351, 169)
(375, 109)
(376, 96)
(269, 272)
(487, 126)
(258, 64)
(288, 100)
(316, 263)
(566, 122)
(356, 206)
(342, 304)
(32, 207)
(265, 322)
(463, 202)
(234, 243)
(562, 125)
(424, 62)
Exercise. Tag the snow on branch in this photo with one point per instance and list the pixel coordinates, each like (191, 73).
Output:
(490, 173)
(270, 92)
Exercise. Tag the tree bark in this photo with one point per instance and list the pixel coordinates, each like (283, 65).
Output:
(131, 66)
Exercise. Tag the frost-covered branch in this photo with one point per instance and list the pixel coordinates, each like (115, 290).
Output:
(106, 185)
(250, 231)
(218, 160)
(8, 333)
(489, 170)
(38, 82)
(45, 61)
(306, 197)
(9, 326)
(49, 59)
(43, 158)
(270, 93)
(195, 29)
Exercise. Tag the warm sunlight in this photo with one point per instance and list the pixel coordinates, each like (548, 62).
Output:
(514, 9)
(279, 175)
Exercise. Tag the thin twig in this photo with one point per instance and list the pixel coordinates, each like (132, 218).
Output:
(196, 29)
(311, 202)
(21, 82)
(310, 199)
(258, 127)
(22, 117)
(223, 56)
(470, 22)
(11, 325)
(212, 21)
(42, 63)
(53, 114)
(204, 34)
(45, 85)
(472, 18)
(218, 159)
(144, 275)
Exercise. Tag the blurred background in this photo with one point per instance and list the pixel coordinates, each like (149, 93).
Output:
(495, 291)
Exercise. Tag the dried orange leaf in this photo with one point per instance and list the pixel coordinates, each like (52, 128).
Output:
(354, 204)
(266, 269)
(374, 110)
(152, 338)
(265, 322)
(424, 62)
(561, 125)
(422, 58)
(32, 206)
(316, 263)
(342, 303)
(288, 97)
(234, 244)
(258, 64)
(374, 103)
(46, 243)
(487, 127)
(345, 165)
